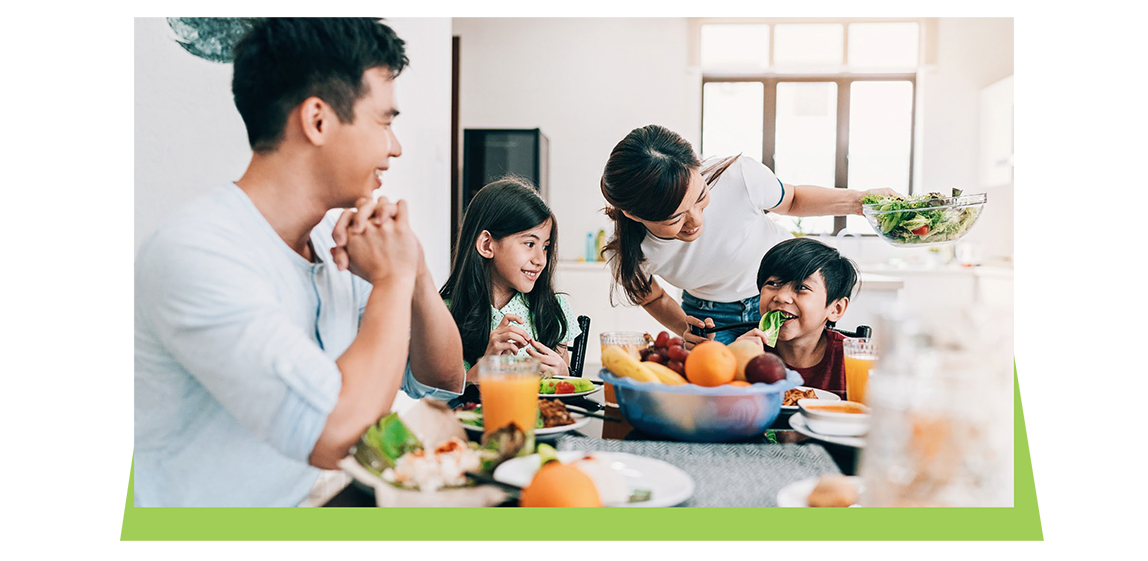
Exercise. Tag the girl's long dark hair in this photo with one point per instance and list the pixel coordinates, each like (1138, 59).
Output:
(505, 207)
(647, 175)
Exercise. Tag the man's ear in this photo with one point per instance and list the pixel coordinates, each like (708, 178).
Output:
(484, 245)
(837, 309)
(315, 120)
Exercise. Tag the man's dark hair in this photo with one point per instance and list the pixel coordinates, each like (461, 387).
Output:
(797, 259)
(283, 61)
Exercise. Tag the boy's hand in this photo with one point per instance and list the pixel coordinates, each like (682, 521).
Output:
(689, 338)
(506, 338)
(552, 363)
(756, 335)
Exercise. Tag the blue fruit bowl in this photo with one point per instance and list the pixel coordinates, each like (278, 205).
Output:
(696, 413)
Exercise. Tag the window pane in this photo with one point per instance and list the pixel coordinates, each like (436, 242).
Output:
(735, 47)
(880, 136)
(884, 45)
(821, 44)
(732, 119)
(806, 139)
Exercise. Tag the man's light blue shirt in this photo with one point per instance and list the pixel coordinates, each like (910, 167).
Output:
(236, 337)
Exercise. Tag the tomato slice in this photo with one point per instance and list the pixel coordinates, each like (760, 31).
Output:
(922, 230)
(563, 387)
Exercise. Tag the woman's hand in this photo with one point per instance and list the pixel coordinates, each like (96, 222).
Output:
(552, 363)
(507, 339)
(689, 338)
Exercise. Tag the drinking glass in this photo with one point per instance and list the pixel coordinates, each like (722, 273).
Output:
(631, 341)
(860, 356)
(508, 386)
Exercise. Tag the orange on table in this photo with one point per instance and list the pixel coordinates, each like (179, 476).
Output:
(560, 485)
(711, 364)
(740, 384)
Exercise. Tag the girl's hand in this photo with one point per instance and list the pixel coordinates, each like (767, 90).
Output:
(552, 363)
(689, 338)
(506, 338)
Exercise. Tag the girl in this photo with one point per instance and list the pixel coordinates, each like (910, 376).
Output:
(500, 289)
(657, 190)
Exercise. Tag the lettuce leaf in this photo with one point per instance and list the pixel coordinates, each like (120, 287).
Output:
(771, 325)
(384, 442)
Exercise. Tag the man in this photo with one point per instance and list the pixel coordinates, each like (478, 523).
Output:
(262, 351)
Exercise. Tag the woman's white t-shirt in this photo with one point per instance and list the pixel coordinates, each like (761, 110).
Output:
(721, 265)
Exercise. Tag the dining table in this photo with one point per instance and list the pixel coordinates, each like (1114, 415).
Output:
(733, 474)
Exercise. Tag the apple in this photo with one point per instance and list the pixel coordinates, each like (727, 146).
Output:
(745, 350)
(767, 369)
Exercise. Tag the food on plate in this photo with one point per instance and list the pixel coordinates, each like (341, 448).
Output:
(837, 407)
(619, 362)
(744, 350)
(927, 218)
(771, 323)
(564, 385)
(556, 484)
(791, 396)
(710, 363)
(664, 374)
(833, 490)
(551, 413)
(765, 368)
(430, 470)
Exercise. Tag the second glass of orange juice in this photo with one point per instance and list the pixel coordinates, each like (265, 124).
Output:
(509, 389)
(860, 356)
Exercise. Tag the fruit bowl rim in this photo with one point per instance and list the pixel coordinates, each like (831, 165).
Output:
(792, 380)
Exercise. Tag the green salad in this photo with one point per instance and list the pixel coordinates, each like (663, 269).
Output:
(921, 219)
(551, 385)
(473, 418)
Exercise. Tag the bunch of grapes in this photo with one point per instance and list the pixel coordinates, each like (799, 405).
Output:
(668, 350)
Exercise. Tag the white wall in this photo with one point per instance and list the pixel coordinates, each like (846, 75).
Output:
(189, 136)
(586, 83)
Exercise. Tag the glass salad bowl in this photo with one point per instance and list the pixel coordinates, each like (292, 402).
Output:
(923, 220)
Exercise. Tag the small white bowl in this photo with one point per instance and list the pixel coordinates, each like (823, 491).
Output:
(835, 418)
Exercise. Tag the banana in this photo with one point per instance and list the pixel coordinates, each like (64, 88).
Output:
(664, 373)
(618, 361)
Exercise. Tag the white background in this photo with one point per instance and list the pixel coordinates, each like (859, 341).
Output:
(68, 209)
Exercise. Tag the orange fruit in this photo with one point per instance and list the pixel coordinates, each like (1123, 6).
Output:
(711, 364)
(740, 384)
(560, 485)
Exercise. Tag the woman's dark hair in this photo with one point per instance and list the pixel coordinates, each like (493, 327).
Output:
(505, 207)
(797, 259)
(282, 61)
(647, 175)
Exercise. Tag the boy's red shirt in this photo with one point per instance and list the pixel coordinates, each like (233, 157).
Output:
(829, 374)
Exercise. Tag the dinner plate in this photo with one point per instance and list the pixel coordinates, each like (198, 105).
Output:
(568, 395)
(668, 485)
(796, 494)
(798, 423)
(544, 434)
(821, 394)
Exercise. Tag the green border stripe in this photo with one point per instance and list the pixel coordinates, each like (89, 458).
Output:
(1021, 522)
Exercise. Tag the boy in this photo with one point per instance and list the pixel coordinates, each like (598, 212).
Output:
(259, 357)
(811, 283)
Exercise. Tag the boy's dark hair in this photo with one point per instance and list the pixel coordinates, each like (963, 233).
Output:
(797, 259)
(282, 61)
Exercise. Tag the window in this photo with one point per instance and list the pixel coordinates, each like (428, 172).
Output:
(828, 104)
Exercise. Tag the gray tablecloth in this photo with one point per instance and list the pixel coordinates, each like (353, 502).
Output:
(725, 475)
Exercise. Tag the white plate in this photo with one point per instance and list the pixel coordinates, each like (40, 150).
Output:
(821, 394)
(566, 395)
(668, 485)
(798, 423)
(796, 494)
(544, 434)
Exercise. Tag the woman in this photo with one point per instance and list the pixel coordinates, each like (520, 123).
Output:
(657, 191)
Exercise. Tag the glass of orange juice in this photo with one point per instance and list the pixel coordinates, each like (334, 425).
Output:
(508, 386)
(632, 341)
(860, 356)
